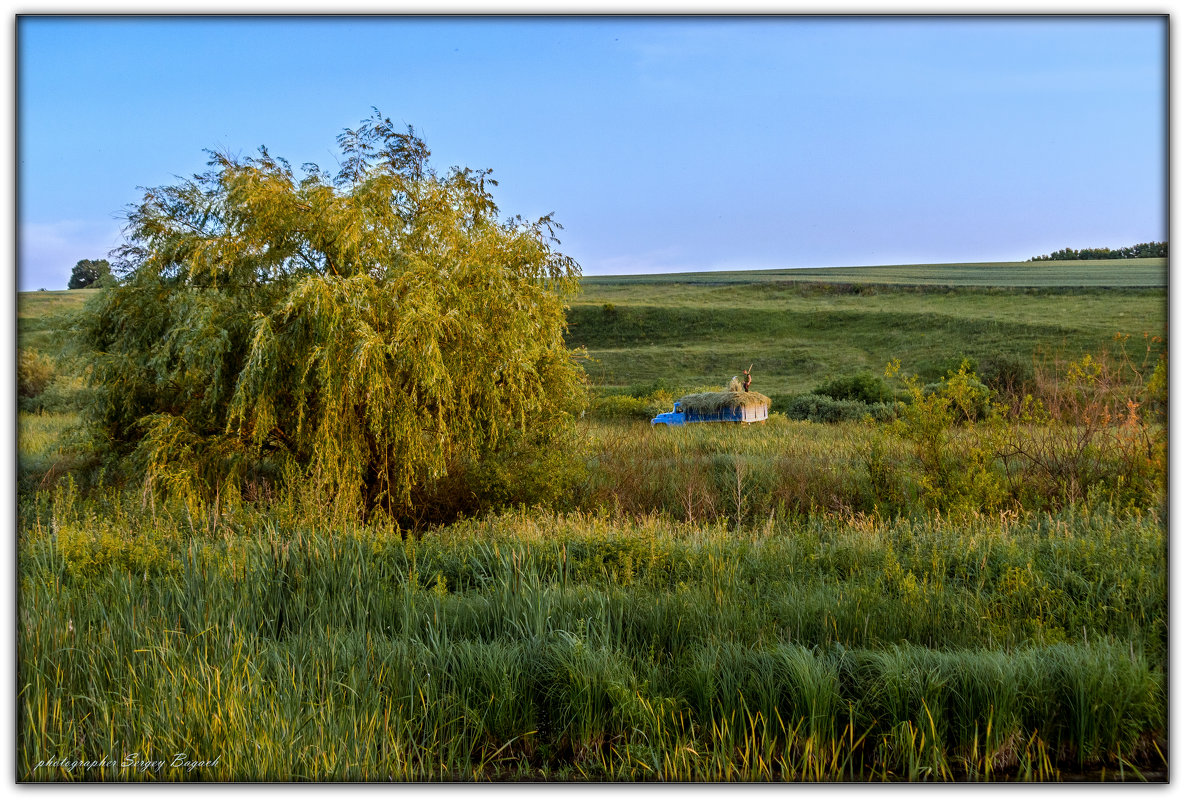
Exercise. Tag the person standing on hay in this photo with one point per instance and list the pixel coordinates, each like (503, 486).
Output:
(735, 384)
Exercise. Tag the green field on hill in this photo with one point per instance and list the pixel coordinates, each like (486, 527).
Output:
(39, 316)
(800, 327)
(1088, 273)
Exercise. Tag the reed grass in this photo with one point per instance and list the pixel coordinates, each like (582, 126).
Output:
(586, 646)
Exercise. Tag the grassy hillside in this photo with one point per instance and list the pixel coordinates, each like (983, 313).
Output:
(39, 315)
(702, 328)
(1128, 273)
(800, 327)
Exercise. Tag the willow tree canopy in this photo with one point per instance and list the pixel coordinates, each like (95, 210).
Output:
(362, 329)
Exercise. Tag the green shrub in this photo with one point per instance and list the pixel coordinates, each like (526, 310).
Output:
(824, 409)
(63, 395)
(863, 387)
(34, 372)
(952, 365)
(638, 401)
(650, 387)
(621, 407)
(954, 460)
(532, 472)
(968, 398)
(1156, 388)
(91, 548)
(1007, 374)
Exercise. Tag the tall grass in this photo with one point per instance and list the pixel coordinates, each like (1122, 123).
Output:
(42, 453)
(747, 474)
(596, 646)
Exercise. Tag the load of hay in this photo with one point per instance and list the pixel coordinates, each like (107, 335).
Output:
(734, 403)
(711, 402)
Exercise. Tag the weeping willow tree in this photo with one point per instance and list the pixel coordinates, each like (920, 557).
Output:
(358, 332)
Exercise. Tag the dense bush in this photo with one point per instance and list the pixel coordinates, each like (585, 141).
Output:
(1156, 389)
(863, 387)
(34, 373)
(826, 409)
(531, 471)
(44, 387)
(1008, 376)
(659, 385)
(642, 401)
(63, 395)
(622, 407)
(974, 398)
(953, 462)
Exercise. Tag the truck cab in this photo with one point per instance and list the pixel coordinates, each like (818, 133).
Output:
(675, 417)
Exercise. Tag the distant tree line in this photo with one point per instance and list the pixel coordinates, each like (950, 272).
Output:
(1144, 250)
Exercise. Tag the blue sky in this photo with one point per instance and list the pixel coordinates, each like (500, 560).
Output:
(661, 144)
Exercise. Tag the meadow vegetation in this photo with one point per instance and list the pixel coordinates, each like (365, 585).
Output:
(592, 645)
(790, 601)
(942, 558)
(800, 333)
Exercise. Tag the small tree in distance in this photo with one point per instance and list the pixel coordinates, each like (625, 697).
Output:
(360, 333)
(90, 274)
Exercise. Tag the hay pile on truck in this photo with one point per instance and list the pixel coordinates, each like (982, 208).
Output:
(730, 406)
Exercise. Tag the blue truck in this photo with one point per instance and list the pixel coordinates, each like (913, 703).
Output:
(753, 413)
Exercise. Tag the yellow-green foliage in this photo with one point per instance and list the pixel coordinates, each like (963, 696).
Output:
(625, 407)
(371, 327)
(91, 548)
(954, 460)
(34, 372)
(1157, 387)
